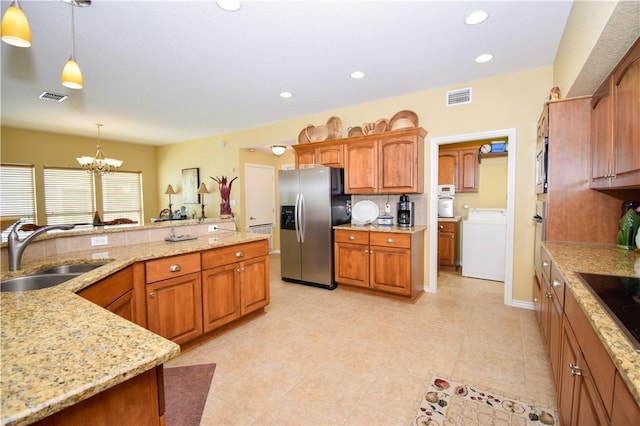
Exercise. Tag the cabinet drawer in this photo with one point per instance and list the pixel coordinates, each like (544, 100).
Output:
(447, 226)
(545, 258)
(390, 239)
(557, 285)
(226, 255)
(173, 266)
(353, 237)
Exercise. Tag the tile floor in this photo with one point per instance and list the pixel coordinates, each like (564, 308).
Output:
(344, 358)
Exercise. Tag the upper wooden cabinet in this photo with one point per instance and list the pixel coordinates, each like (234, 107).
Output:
(383, 163)
(386, 163)
(326, 153)
(459, 166)
(615, 128)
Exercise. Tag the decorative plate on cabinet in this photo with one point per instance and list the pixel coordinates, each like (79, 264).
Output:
(364, 212)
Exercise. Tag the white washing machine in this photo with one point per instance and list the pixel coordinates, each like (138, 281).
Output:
(484, 244)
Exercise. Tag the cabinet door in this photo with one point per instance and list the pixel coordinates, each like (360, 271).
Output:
(555, 336)
(361, 159)
(352, 264)
(220, 296)
(626, 125)
(601, 136)
(625, 409)
(123, 306)
(391, 269)
(448, 168)
(174, 308)
(568, 384)
(468, 178)
(537, 300)
(254, 284)
(399, 161)
(332, 155)
(305, 156)
(587, 406)
(446, 245)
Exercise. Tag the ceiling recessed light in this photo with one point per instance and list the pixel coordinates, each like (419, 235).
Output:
(357, 75)
(476, 17)
(484, 58)
(286, 95)
(228, 5)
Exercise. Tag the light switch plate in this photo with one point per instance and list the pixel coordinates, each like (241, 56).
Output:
(99, 241)
(213, 228)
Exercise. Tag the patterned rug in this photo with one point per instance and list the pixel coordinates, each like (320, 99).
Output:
(185, 393)
(451, 403)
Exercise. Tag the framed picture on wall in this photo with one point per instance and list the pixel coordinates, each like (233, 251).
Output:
(190, 183)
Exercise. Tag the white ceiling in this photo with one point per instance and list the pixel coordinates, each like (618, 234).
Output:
(160, 72)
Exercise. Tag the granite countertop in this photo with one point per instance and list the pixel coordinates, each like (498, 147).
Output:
(382, 228)
(571, 258)
(59, 349)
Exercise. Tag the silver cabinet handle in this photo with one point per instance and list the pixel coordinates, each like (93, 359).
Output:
(545, 264)
(351, 237)
(367, 251)
(175, 268)
(548, 295)
(575, 370)
(390, 240)
(240, 270)
(535, 300)
(441, 226)
(239, 254)
(152, 294)
(556, 283)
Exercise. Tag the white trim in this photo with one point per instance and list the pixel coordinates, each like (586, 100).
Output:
(510, 134)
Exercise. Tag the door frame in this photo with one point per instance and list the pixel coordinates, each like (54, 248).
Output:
(510, 134)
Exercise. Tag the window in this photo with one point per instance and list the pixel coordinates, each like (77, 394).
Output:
(122, 196)
(69, 196)
(17, 192)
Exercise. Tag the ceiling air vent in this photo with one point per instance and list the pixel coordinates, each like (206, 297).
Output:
(55, 97)
(459, 97)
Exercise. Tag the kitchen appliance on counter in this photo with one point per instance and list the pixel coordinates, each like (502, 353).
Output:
(405, 211)
(446, 195)
(312, 201)
(620, 297)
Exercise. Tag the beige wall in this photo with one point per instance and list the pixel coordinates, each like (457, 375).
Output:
(54, 149)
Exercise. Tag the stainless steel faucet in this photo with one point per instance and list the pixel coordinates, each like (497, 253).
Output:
(16, 246)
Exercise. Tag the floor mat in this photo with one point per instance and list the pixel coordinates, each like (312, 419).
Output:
(185, 393)
(451, 403)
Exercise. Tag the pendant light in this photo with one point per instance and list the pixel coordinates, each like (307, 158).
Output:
(15, 27)
(98, 164)
(71, 75)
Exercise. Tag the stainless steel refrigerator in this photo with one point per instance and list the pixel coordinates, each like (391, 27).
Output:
(311, 202)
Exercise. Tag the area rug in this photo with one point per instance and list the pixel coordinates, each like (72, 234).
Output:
(185, 393)
(451, 403)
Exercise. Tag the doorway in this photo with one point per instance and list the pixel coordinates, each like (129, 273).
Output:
(259, 195)
(510, 134)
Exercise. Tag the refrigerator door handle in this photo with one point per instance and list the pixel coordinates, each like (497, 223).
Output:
(301, 216)
(296, 218)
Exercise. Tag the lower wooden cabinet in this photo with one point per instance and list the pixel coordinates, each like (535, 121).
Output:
(235, 282)
(447, 245)
(386, 262)
(625, 410)
(174, 308)
(138, 401)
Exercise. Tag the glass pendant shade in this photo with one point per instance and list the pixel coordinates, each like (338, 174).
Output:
(278, 149)
(71, 75)
(15, 27)
(98, 164)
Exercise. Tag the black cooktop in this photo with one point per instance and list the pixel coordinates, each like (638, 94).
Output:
(621, 298)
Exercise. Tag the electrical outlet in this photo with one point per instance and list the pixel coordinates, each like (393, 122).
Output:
(232, 202)
(213, 228)
(387, 208)
(99, 241)
(213, 240)
(100, 255)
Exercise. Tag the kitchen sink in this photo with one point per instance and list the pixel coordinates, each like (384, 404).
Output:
(34, 282)
(77, 268)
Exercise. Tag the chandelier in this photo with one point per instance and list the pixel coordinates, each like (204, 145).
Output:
(98, 164)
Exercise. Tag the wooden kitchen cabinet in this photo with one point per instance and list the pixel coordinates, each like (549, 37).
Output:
(459, 166)
(325, 153)
(235, 282)
(387, 163)
(384, 262)
(615, 128)
(174, 297)
(116, 294)
(625, 410)
(447, 247)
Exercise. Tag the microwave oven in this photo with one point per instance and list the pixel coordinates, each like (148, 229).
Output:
(542, 162)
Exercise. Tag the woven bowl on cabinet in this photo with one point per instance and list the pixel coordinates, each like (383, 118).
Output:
(403, 120)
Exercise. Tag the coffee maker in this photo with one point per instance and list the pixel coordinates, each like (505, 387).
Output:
(405, 211)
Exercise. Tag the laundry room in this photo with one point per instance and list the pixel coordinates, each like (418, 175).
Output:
(472, 196)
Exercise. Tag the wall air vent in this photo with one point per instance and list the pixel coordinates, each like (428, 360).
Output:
(459, 97)
(55, 97)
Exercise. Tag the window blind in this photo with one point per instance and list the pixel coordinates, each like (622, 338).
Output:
(17, 193)
(69, 196)
(122, 196)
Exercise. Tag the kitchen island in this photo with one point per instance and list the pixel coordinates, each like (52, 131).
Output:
(571, 258)
(59, 349)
